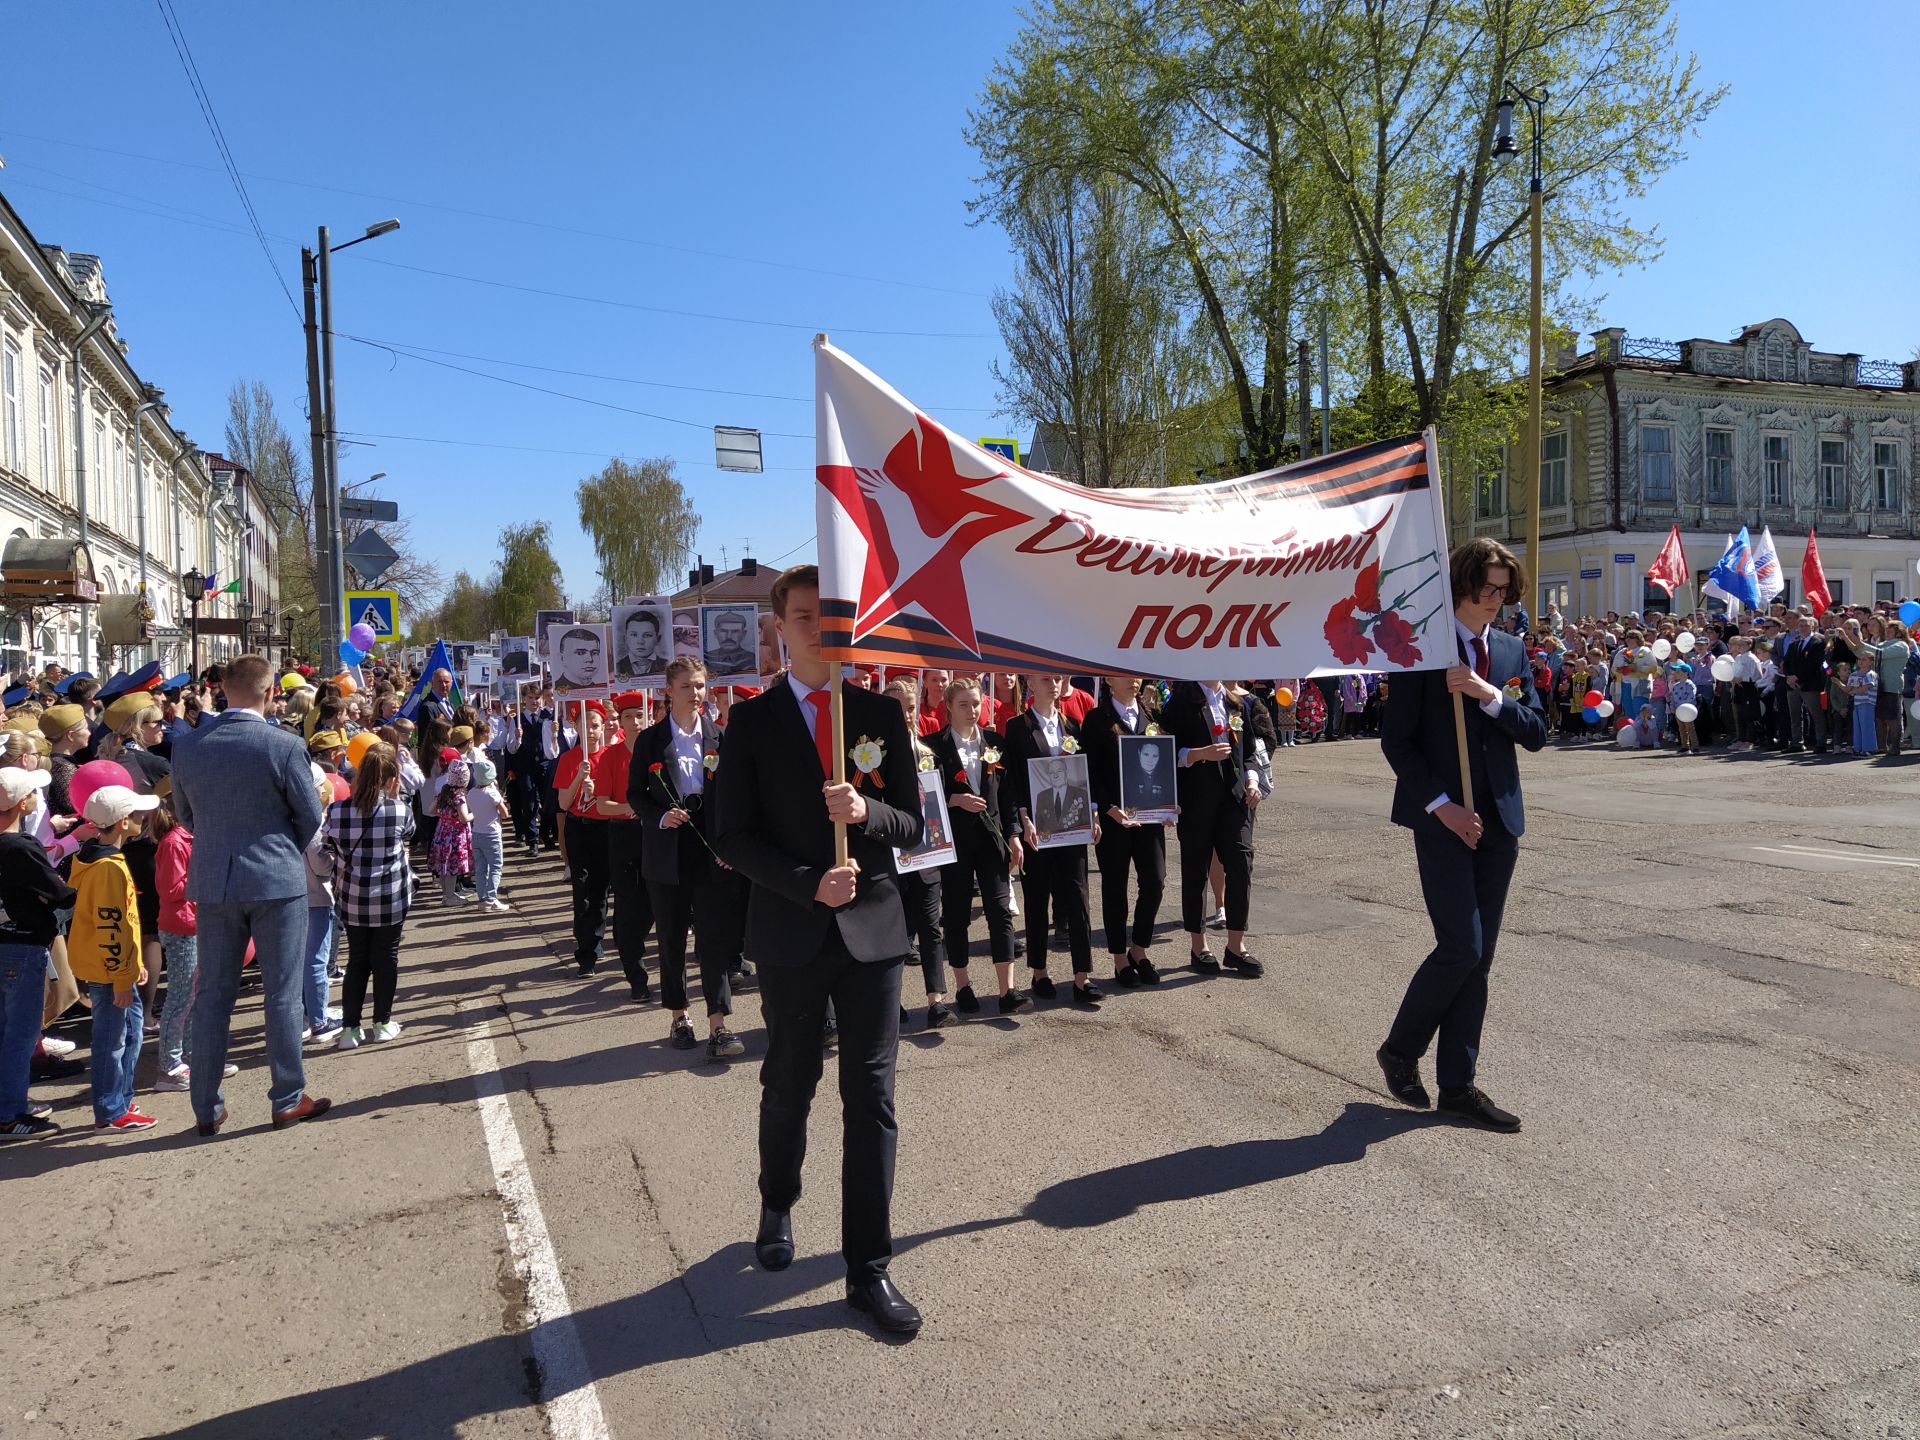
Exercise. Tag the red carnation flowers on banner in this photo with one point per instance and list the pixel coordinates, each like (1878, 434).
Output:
(1358, 622)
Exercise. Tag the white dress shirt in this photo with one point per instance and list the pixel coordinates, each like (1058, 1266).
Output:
(801, 690)
(1050, 730)
(1466, 638)
(1129, 714)
(969, 751)
(689, 757)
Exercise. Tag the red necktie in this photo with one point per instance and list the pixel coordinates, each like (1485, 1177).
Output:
(1481, 663)
(822, 730)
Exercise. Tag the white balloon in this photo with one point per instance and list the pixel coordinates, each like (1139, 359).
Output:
(1628, 738)
(1686, 714)
(1915, 708)
(1685, 643)
(1604, 709)
(1662, 648)
(1723, 668)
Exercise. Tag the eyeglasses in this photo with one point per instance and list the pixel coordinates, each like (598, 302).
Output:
(1486, 594)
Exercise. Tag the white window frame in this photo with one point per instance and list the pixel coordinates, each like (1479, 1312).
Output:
(1554, 493)
(1892, 579)
(1490, 499)
(12, 436)
(116, 486)
(1885, 493)
(1835, 496)
(1647, 455)
(1707, 460)
(1782, 498)
(49, 431)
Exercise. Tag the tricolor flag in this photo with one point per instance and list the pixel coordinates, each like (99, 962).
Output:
(1733, 578)
(936, 552)
(1766, 568)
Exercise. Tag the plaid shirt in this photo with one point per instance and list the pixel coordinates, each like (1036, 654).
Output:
(372, 877)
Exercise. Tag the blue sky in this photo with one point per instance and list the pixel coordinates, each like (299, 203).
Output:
(800, 167)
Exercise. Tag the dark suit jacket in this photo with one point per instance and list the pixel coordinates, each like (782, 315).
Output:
(772, 827)
(971, 834)
(1026, 741)
(1808, 663)
(678, 856)
(1206, 784)
(1100, 735)
(1417, 737)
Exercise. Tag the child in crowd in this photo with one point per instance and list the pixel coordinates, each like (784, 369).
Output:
(365, 837)
(452, 854)
(104, 948)
(179, 929)
(1654, 728)
(487, 805)
(1863, 694)
(321, 1027)
(1682, 691)
(1840, 707)
(31, 894)
(1286, 708)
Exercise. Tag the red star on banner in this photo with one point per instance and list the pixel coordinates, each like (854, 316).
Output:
(919, 517)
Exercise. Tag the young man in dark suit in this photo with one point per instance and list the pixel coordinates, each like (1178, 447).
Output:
(1127, 848)
(1466, 856)
(822, 931)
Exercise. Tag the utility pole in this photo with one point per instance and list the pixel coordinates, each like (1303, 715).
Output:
(1326, 396)
(1306, 403)
(336, 576)
(324, 597)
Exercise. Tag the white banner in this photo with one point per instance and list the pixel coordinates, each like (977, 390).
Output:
(937, 553)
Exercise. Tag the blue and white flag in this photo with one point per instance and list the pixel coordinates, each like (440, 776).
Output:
(1766, 568)
(1734, 577)
(438, 660)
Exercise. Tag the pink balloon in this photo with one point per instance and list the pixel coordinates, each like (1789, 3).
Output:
(91, 776)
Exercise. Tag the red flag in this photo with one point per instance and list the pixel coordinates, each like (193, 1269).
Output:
(1669, 568)
(1813, 580)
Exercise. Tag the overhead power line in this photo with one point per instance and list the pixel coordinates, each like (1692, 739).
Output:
(546, 450)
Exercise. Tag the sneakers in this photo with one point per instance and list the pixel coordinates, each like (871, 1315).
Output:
(496, 907)
(351, 1037)
(1217, 920)
(174, 1082)
(723, 1044)
(325, 1034)
(132, 1120)
(682, 1034)
(52, 1045)
(25, 1127)
(390, 1030)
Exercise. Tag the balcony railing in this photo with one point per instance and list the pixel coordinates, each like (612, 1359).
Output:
(1639, 347)
(1885, 373)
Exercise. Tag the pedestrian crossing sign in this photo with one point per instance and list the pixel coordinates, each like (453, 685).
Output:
(378, 608)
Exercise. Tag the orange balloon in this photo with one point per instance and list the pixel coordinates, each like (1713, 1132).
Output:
(1283, 696)
(344, 682)
(358, 746)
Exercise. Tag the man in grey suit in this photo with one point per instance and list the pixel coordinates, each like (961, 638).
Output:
(245, 790)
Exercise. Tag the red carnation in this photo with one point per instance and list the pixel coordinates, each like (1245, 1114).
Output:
(1345, 634)
(654, 768)
(1366, 588)
(1396, 639)
(1218, 731)
(960, 777)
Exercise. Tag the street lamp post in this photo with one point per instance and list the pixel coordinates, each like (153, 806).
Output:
(316, 274)
(1504, 148)
(196, 585)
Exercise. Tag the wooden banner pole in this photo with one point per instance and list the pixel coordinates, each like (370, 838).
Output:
(837, 720)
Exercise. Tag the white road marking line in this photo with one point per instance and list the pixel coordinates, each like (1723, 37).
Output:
(1837, 855)
(1863, 854)
(571, 1403)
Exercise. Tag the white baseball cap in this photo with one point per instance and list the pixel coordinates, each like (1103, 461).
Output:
(111, 804)
(16, 785)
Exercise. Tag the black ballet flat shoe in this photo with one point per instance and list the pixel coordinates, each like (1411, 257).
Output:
(1089, 995)
(1403, 1079)
(1143, 967)
(890, 1310)
(773, 1245)
(1043, 985)
(939, 1017)
(1013, 1000)
(1245, 965)
(1204, 963)
(1474, 1108)
(965, 999)
(1126, 976)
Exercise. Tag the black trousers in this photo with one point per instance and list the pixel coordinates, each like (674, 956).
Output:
(710, 907)
(1466, 895)
(866, 998)
(522, 801)
(549, 814)
(984, 871)
(632, 904)
(1139, 851)
(1224, 828)
(372, 950)
(587, 868)
(1057, 878)
(920, 897)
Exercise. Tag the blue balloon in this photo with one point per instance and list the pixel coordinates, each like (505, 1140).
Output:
(1590, 715)
(351, 654)
(1909, 612)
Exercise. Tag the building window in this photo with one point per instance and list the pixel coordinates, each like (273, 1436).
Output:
(1656, 462)
(1489, 489)
(1837, 587)
(1884, 591)
(1553, 470)
(114, 489)
(1833, 474)
(1886, 475)
(1719, 486)
(1777, 458)
(12, 439)
(49, 456)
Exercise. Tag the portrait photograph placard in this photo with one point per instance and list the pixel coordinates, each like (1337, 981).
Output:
(686, 633)
(773, 647)
(1146, 778)
(936, 846)
(579, 656)
(730, 644)
(546, 626)
(642, 641)
(516, 656)
(1062, 800)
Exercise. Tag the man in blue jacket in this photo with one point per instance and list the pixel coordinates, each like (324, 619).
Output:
(1466, 854)
(245, 790)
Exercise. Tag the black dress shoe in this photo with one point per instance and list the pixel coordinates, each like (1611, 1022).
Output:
(1088, 994)
(939, 1016)
(773, 1246)
(905, 1018)
(1126, 976)
(890, 1310)
(830, 1035)
(1013, 1000)
(1473, 1106)
(1143, 967)
(1204, 963)
(1019, 947)
(966, 1000)
(1245, 965)
(1043, 985)
(1403, 1079)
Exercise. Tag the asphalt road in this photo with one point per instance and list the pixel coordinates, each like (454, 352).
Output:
(1192, 1214)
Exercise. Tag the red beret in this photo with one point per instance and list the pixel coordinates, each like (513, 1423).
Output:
(628, 700)
(745, 692)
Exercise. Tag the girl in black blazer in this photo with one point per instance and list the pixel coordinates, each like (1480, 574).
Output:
(1127, 849)
(1217, 796)
(1055, 877)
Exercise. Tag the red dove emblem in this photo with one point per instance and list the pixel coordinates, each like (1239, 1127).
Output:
(919, 516)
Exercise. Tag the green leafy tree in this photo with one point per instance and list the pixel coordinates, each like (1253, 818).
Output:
(527, 578)
(640, 521)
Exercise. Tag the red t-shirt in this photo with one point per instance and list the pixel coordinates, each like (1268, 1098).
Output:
(610, 767)
(564, 771)
(1076, 704)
